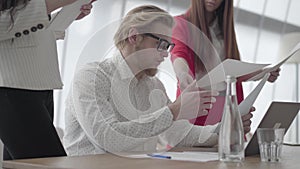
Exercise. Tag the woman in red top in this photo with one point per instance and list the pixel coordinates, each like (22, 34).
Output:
(204, 37)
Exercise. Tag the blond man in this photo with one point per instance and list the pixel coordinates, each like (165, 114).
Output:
(118, 105)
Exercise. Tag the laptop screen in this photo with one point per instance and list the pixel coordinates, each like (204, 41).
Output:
(279, 114)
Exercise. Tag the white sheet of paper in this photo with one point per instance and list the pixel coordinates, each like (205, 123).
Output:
(230, 67)
(66, 16)
(248, 102)
(185, 156)
(276, 66)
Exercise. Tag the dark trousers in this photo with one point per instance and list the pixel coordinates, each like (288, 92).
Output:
(26, 124)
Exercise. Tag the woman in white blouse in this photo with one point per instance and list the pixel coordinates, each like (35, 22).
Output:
(28, 74)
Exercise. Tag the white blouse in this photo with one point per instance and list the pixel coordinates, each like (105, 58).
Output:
(217, 39)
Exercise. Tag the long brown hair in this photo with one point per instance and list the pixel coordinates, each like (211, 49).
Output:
(197, 16)
(11, 6)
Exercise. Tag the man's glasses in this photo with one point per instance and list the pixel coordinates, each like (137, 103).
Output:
(163, 45)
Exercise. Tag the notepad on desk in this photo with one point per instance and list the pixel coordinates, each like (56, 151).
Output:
(182, 156)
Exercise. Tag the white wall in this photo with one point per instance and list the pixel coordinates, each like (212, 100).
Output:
(276, 9)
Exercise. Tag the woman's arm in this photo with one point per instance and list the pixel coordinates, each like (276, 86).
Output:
(181, 54)
(31, 19)
(182, 72)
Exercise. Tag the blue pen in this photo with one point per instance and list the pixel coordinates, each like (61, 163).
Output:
(159, 156)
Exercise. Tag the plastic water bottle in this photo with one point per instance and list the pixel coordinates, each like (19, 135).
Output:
(231, 135)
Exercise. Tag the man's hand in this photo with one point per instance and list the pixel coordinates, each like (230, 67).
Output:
(274, 75)
(193, 102)
(184, 80)
(246, 119)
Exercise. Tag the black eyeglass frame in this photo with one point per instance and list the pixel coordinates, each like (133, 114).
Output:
(161, 40)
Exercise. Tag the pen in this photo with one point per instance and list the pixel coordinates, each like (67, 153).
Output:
(159, 156)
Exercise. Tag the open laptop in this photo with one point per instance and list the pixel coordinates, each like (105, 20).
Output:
(280, 114)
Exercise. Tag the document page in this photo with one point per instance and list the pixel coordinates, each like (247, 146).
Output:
(243, 71)
(248, 102)
(276, 66)
(230, 67)
(67, 15)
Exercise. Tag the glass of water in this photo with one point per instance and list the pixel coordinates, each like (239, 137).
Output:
(270, 142)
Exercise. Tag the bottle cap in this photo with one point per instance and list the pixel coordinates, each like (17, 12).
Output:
(230, 79)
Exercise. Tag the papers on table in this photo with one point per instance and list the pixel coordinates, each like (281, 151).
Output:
(182, 156)
(66, 16)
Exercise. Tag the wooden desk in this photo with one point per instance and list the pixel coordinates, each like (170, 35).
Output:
(291, 160)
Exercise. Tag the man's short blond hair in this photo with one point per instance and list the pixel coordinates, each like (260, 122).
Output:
(141, 18)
